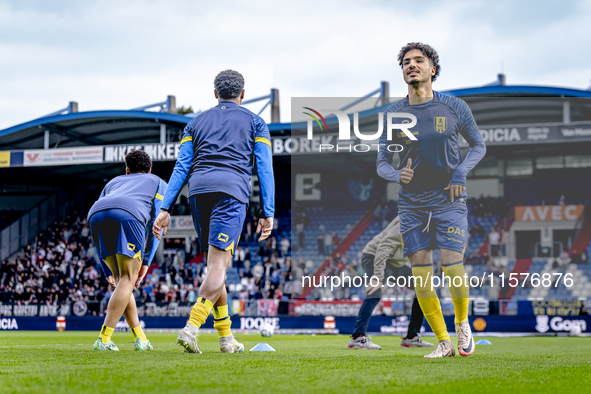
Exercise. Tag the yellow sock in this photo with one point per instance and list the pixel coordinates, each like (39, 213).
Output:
(106, 333)
(139, 333)
(429, 302)
(460, 295)
(222, 321)
(200, 311)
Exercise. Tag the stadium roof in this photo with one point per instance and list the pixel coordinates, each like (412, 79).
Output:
(92, 128)
(496, 104)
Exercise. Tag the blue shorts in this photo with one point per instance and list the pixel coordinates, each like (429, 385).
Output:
(116, 231)
(218, 220)
(428, 229)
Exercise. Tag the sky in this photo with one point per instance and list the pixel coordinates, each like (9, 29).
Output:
(122, 55)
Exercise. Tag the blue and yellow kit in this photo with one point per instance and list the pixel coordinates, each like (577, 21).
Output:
(428, 218)
(121, 219)
(218, 152)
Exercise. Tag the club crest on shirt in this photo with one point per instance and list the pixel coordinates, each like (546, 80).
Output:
(440, 123)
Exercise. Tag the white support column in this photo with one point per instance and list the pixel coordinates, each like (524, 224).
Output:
(385, 92)
(46, 140)
(275, 117)
(566, 112)
(162, 133)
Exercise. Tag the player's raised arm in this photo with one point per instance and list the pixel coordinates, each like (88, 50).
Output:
(264, 163)
(176, 182)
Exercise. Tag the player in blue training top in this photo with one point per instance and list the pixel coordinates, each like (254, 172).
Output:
(218, 151)
(432, 177)
(121, 225)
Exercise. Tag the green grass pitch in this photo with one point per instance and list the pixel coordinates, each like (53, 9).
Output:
(43, 362)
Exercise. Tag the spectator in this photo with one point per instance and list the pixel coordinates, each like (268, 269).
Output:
(248, 229)
(239, 257)
(192, 295)
(327, 244)
(321, 244)
(564, 258)
(301, 236)
(284, 246)
(92, 253)
(504, 241)
(335, 239)
(258, 271)
(493, 240)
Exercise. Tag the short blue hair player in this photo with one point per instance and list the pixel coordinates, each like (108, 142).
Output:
(121, 225)
(432, 176)
(218, 152)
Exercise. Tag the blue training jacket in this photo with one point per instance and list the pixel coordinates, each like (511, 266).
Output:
(436, 157)
(218, 152)
(140, 195)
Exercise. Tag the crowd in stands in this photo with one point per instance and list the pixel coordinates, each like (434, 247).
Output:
(61, 264)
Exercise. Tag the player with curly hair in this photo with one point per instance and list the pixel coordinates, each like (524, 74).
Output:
(432, 176)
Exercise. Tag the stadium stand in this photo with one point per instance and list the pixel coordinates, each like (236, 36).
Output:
(61, 265)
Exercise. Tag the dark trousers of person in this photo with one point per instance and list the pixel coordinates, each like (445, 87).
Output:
(370, 302)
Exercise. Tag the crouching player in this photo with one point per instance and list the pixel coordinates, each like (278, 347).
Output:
(383, 255)
(121, 224)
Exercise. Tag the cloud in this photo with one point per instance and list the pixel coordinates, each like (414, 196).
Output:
(118, 55)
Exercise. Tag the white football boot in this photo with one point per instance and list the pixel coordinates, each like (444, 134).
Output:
(415, 342)
(444, 349)
(187, 339)
(229, 344)
(362, 342)
(466, 344)
(142, 346)
(100, 346)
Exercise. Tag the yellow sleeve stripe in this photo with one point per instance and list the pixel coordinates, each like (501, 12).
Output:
(263, 140)
(159, 196)
(189, 138)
